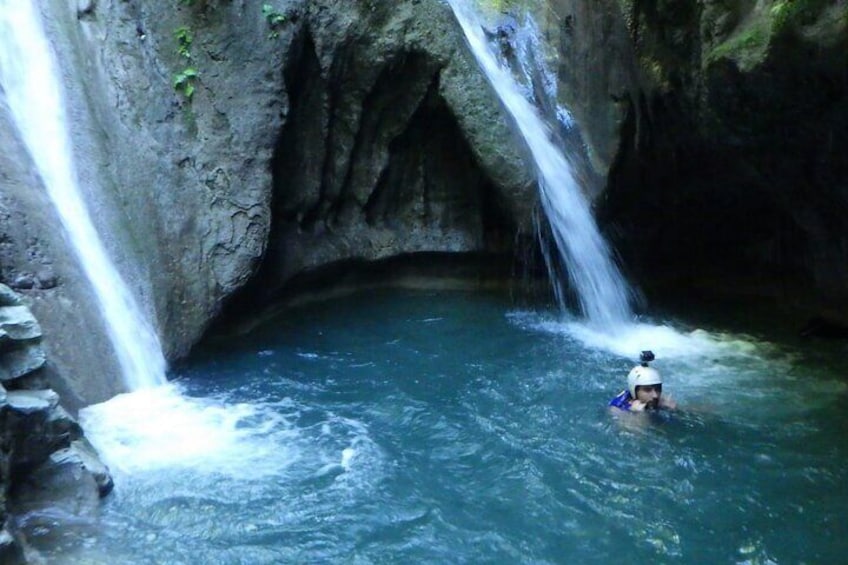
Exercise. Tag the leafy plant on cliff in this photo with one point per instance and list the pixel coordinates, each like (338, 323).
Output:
(274, 19)
(184, 81)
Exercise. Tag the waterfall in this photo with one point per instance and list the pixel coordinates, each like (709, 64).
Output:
(29, 78)
(601, 289)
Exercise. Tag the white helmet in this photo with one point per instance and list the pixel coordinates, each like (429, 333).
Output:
(641, 375)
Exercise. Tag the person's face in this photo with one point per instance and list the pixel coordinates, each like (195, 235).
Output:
(649, 394)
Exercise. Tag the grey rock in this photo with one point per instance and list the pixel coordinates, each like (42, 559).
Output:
(18, 323)
(24, 282)
(47, 280)
(21, 361)
(411, 151)
(9, 297)
(35, 427)
(90, 460)
(30, 401)
(86, 8)
(59, 495)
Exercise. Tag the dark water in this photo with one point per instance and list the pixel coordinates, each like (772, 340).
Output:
(418, 427)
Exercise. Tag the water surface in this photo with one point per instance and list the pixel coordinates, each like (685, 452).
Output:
(422, 427)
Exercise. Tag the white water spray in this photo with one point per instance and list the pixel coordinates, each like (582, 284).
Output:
(601, 289)
(28, 76)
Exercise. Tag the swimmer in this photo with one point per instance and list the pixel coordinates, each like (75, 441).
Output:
(644, 389)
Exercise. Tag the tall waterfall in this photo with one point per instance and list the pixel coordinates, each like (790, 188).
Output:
(601, 289)
(29, 79)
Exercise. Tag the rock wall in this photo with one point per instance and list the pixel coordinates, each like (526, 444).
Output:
(45, 460)
(392, 144)
(729, 172)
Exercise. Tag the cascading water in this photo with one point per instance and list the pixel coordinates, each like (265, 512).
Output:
(29, 79)
(601, 289)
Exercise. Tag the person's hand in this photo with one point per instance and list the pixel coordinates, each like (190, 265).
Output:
(637, 406)
(668, 402)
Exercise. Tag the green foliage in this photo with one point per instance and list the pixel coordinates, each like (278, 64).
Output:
(184, 39)
(185, 79)
(274, 19)
(750, 43)
(184, 82)
(747, 46)
(791, 13)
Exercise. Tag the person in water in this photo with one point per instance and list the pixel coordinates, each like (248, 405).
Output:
(644, 389)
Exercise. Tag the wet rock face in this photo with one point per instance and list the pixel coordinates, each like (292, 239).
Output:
(730, 125)
(598, 71)
(385, 150)
(372, 161)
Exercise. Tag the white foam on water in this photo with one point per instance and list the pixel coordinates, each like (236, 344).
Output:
(728, 374)
(160, 428)
(664, 340)
(157, 431)
(629, 339)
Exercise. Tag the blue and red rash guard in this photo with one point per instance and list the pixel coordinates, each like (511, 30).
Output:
(622, 401)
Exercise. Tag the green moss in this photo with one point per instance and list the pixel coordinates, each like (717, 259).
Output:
(786, 14)
(499, 5)
(747, 46)
(749, 43)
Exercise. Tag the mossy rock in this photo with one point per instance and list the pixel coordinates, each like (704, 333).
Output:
(749, 43)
